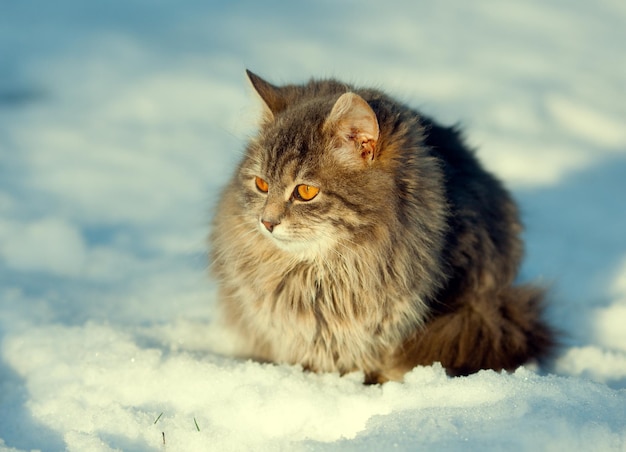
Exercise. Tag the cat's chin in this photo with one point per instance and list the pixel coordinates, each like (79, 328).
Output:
(304, 250)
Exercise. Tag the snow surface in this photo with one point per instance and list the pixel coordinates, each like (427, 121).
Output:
(121, 120)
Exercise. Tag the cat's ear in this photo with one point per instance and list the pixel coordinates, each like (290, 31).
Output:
(355, 124)
(273, 100)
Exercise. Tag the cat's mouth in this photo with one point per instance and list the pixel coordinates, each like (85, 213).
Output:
(282, 241)
(303, 248)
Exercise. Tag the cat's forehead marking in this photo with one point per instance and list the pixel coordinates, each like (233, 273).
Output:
(289, 171)
(299, 168)
(289, 159)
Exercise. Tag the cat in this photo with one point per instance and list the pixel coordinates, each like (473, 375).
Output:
(359, 235)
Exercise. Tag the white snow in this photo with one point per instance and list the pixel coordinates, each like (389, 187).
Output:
(121, 121)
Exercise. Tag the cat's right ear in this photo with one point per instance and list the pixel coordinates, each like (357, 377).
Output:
(271, 95)
(355, 124)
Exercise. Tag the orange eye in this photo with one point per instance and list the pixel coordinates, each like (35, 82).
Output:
(261, 184)
(305, 192)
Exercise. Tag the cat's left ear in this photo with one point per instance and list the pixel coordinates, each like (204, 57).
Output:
(271, 95)
(355, 124)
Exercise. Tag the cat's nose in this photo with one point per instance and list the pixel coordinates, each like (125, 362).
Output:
(269, 225)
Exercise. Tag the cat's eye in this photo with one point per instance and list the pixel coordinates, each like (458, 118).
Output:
(261, 184)
(305, 192)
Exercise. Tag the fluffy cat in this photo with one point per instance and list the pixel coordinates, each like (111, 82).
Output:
(359, 235)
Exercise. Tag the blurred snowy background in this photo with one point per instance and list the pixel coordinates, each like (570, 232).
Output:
(119, 123)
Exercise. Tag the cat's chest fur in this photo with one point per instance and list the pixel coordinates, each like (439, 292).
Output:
(333, 313)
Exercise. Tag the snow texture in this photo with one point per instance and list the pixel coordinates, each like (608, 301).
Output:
(120, 121)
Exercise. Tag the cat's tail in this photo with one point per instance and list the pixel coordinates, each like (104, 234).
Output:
(500, 331)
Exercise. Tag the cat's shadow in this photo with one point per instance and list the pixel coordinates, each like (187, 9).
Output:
(576, 243)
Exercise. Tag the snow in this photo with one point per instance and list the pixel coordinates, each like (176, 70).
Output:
(120, 123)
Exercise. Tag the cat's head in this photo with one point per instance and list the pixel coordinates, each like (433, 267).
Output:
(311, 180)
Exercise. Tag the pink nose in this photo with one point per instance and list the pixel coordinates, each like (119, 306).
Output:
(269, 225)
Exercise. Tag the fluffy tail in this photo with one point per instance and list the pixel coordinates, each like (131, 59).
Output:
(498, 331)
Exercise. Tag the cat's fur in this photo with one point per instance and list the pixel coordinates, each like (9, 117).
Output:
(406, 256)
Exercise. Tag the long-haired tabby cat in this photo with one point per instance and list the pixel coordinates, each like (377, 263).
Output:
(357, 234)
